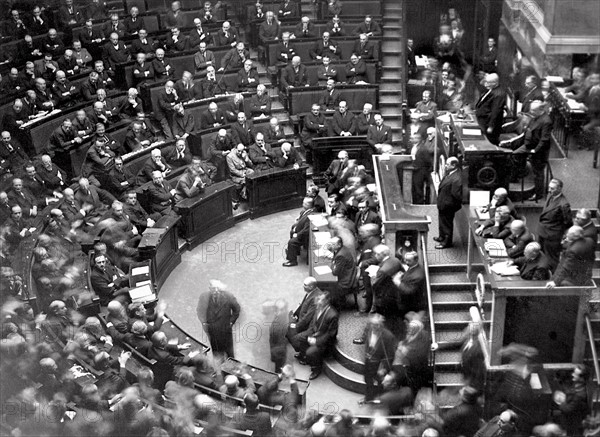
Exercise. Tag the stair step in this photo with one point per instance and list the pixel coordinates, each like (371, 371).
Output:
(452, 296)
(391, 34)
(448, 335)
(448, 379)
(387, 99)
(343, 377)
(448, 357)
(459, 317)
(388, 87)
(389, 79)
(390, 26)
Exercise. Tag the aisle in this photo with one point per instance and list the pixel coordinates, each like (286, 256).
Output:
(248, 259)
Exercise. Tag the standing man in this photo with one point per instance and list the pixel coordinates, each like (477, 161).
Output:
(380, 347)
(575, 266)
(299, 233)
(379, 135)
(449, 201)
(218, 310)
(554, 220)
(343, 267)
(536, 144)
(422, 165)
(489, 109)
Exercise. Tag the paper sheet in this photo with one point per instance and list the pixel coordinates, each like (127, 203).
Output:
(322, 238)
(479, 198)
(138, 271)
(322, 270)
(495, 248)
(318, 220)
(471, 132)
(504, 270)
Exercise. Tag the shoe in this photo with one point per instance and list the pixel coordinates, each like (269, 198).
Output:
(362, 401)
(443, 246)
(289, 264)
(438, 239)
(314, 374)
(358, 341)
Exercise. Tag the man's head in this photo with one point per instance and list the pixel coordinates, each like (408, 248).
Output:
(160, 54)
(248, 65)
(517, 227)
(47, 162)
(240, 149)
(367, 108)
(131, 198)
(273, 122)
(343, 106)
(381, 252)
(140, 58)
(6, 137)
(241, 117)
(574, 233)
(354, 59)
(40, 84)
(452, 164)
(315, 109)
(415, 138)
(500, 194)
(260, 89)
(537, 108)
(581, 373)
(157, 177)
(363, 38)
(378, 120)
(52, 33)
(330, 84)
(175, 6)
(583, 217)
(296, 61)
(155, 154)
(308, 202)
(114, 37)
(100, 261)
(117, 208)
(285, 37)
(555, 187)
(426, 96)
(309, 284)
(532, 250)
(492, 80)
(30, 170)
(226, 26)
(16, 213)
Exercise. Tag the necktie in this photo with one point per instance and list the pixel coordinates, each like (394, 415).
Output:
(143, 41)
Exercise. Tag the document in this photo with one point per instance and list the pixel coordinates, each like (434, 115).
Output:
(495, 248)
(473, 132)
(138, 271)
(503, 269)
(322, 270)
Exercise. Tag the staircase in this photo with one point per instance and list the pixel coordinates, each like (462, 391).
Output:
(390, 89)
(452, 296)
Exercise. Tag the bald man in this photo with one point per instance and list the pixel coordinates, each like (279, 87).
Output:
(518, 239)
(449, 202)
(489, 109)
(577, 258)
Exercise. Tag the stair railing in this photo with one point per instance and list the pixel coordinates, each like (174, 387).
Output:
(430, 310)
(590, 334)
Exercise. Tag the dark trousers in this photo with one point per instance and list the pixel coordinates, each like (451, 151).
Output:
(420, 185)
(446, 225)
(539, 168)
(552, 248)
(313, 354)
(372, 390)
(493, 137)
(293, 248)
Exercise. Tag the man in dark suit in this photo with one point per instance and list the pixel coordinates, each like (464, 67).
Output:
(489, 57)
(367, 27)
(326, 71)
(143, 73)
(449, 201)
(247, 78)
(411, 290)
(315, 126)
(305, 29)
(176, 42)
(285, 51)
(115, 52)
(301, 318)
(531, 93)
(203, 58)
(218, 150)
(160, 194)
(343, 266)
(12, 156)
(464, 418)
(178, 155)
(114, 26)
(134, 23)
(330, 97)
(218, 310)
(274, 134)
(212, 117)
(261, 154)
(554, 220)
(167, 357)
(317, 340)
(325, 47)
(363, 48)
(108, 282)
(365, 119)
(144, 44)
(576, 260)
(227, 36)
(243, 131)
(342, 124)
(137, 214)
(259, 422)
(533, 265)
(163, 112)
(536, 145)
(211, 86)
(286, 156)
(489, 109)
(198, 35)
(379, 135)
(163, 69)
(260, 103)
(294, 75)
(299, 233)
(356, 70)
(155, 162)
(583, 218)
(518, 239)
(335, 171)
(380, 349)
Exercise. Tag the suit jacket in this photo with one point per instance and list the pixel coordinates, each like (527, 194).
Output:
(344, 268)
(25, 199)
(530, 96)
(301, 226)
(119, 182)
(343, 123)
(330, 99)
(163, 69)
(373, 28)
(233, 60)
(324, 328)
(145, 174)
(369, 216)
(260, 105)
(108, 28)
(321, 49)
(268, 32)
(411, 295)
(285, 54)
(364, 52)
(247, 80)
(309, 33)
(312, 127)
(201, 60)
(165, 104)
(538, 137)
(219, 314)
(325, 73)
(133, 27)
(87, 38)
(274, 138)
(384, 349)
(183, 124)
(221, 40)
(306, 310)
(376, 136)
(356, 72)
(113, 56)
(159, 197)
(575, 263)
(54, 179)
(450, 192)
(290, 77)
(209, 119)
(492, 231)
(195, 38)
(262, 160)
(217, 146)
(363, 124)
(590, 231)
(181, 45)
(137, 214)
(89, 89)
(211, 88)
(237, 167)
(555, 218)
(243, 134)
(335, 170)
(185, 187)
(100, 280)
(515, 246)
(463, 419)
(174, 160)
(193, 92)
(489, 109)
(137, 46)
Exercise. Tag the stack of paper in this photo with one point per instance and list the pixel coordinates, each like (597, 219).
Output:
(495, 248)
(503, 269)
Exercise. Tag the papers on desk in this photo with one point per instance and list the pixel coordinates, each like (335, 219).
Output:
(575, 106)
(482, 215)
(318, 220)
(503, 269)
(471, 132)
(495, 248)
(142, 294)
(479, 198)
(372, 188)
(321, 252)
(421, 61)
(322, 238)
(322, 270)
(372, 270)
(138, 271)
(554, 79)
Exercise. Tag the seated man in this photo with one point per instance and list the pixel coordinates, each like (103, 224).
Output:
(17, 228)
(182, 124)
(137, 137)
(120, 179)
(160, 194)
(314, 126)
(274, 135)
(235, 58)
(186, 89)
(326, 71)
(240, 166)
(363, 48)
(305, 29)
(131, 107)
(203, 59)
(583, 218)
(178, 155)
(286, 156)
(335, 171)
(573, 403)
(365, 119)
(218, 151)
(108, 282)
(424, 112)
(356, 70)
(66, 93)
(412, 295)
(176, 41)
(299, 233)
(137, 214)
(576, 260)
(330, 97)
(325, 47)
(342, 124)
(367, 27)
(63, 138)
(20, 195)
(533, 264)
(498, 227)
(143, 73)
(99, 161)
(316, 341)
(190, 184)
(227, 36)
(243, 131)
(247, 78)
(261, 154)
(198, 35)
(260, 104)
(54, 177)
(82, 124)
(212, 117)
(379, 135)
(500, 198)
(285, 51)
(518, 239)
(154, 163)
(212, 87)
(301, 318)
(233, 107)
(294, 75)
(144, 44)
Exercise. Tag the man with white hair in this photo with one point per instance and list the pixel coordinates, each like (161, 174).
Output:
(577, 258)
(154, 163)
(260, 104)
(489, 109)
(218, 310)
(160, 194)
(286, 156)
(518, 239)
(365, 119)
(163, 112)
